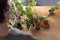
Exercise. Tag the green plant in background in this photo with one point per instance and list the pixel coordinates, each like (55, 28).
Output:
(58, 3)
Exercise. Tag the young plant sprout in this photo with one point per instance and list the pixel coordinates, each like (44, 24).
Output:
(51, 11)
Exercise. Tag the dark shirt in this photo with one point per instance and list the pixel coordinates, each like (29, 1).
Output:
(16, 34)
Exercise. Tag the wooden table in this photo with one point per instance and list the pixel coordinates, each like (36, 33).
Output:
(54, 32)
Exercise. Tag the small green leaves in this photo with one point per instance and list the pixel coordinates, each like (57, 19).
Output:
(31, 18)
(31, 4)
(54, 8)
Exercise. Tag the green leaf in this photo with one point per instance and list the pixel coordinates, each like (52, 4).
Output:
(54, 8)
(19, 7)
(31, 4)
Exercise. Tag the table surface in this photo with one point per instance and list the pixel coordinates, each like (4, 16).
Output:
(54, 32)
